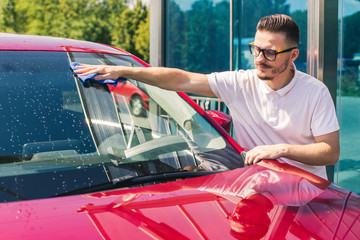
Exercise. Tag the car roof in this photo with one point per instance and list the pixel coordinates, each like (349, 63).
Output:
(20, 42)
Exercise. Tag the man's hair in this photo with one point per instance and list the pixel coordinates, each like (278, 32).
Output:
(280, 23)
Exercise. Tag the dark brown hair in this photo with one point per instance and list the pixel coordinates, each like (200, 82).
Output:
(280, 23)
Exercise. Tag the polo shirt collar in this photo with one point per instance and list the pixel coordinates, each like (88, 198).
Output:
(282, 91)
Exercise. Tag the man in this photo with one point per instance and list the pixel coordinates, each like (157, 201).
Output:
(278, 112)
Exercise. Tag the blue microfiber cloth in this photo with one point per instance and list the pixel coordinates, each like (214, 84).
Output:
(89, 77)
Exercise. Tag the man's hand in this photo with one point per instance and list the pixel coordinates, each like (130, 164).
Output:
(259, 153)
(104, 71)
(167, 78)
(325, 151)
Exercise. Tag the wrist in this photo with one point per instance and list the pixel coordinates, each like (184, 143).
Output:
(283, 149)
(122, 71)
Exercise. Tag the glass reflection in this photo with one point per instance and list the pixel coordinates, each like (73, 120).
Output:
(348, 99)
(198, 35)
(246, 16)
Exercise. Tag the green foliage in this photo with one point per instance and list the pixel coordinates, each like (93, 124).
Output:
(350, 85)
(142, 38)
(103, 21)
(125, 28)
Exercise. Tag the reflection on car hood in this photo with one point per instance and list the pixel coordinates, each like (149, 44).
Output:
(269, 200)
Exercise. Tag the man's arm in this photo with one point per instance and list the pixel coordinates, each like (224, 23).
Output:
(166, 78)
(325, 151)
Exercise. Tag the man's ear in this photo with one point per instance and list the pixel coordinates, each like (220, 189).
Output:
(294, 54)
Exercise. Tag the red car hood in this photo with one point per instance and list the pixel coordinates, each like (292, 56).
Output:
(268, 200)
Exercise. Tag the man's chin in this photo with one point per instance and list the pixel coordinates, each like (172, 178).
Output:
(261, 73)
(264, 77)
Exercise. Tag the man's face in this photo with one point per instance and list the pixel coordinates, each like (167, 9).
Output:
(268, 70)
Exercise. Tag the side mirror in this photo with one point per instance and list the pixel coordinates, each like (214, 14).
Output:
(221, 118)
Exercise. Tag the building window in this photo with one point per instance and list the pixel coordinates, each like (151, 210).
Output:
(348, 99)
(246, 15)
(197, 35)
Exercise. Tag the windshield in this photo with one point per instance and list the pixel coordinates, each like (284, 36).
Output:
(63, 134)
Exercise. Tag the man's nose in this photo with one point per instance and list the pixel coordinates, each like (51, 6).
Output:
(260, 57)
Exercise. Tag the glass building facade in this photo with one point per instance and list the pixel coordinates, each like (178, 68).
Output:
(213, 35)
(347, 171)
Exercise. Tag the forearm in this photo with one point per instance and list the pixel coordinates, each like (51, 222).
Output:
(325, 151)
(169, 78)
(318, 154)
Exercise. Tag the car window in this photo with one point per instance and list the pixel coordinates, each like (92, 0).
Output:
(39, 104)
(74, 135)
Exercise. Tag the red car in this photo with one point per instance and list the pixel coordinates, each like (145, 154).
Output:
(77, 163)
(128, 92)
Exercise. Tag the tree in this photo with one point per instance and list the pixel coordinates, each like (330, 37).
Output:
(142, 39)
(103, 21)
(175, 36)
(14, 19)
(206, 41)
(125, 26)
(254, 10)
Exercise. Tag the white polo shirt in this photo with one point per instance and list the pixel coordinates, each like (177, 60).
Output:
(261, 116)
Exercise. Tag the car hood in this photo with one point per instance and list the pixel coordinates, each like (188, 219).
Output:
(268, 200)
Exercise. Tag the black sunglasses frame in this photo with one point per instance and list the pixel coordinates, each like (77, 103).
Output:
(263, 51)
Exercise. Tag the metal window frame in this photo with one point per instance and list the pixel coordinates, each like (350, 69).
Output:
(322, 47)
(157, 32)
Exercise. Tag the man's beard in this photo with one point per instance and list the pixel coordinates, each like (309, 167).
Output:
(275, 71)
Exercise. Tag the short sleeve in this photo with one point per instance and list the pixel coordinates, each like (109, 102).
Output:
(227, 85)
(212, 81)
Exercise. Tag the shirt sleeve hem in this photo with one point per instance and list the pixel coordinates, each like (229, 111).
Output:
(212, 81)
(327, 131)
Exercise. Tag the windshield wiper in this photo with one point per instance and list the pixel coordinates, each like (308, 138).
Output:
(138, 180)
